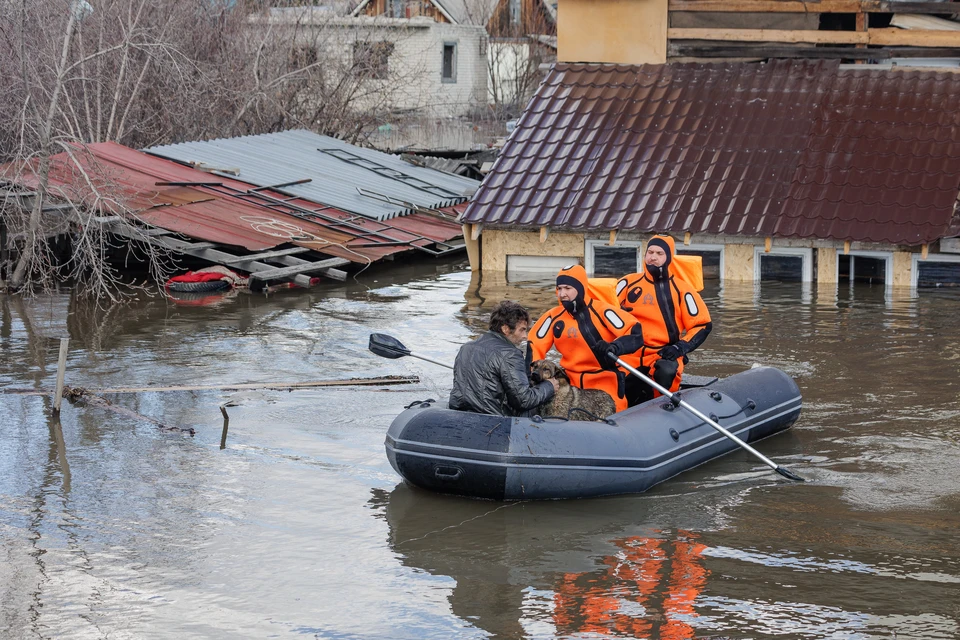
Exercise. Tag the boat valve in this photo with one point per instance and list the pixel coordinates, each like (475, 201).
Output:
(675, 435)
(716, 395)
(714, 417)
(751, 405)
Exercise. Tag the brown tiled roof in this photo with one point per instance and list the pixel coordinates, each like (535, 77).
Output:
(786, 148)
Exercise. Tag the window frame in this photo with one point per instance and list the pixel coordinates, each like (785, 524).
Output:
(589, 245)
(452, 79)
(877, 255)
(931, 257)
(805, 253)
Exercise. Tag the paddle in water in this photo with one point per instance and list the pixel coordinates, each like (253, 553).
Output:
(387, 346)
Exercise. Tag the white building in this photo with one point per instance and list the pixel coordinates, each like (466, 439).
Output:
(406, 64)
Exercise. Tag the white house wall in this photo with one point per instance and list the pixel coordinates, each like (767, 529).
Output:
(413, 82)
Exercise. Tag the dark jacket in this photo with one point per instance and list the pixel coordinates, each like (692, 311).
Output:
(490, 376)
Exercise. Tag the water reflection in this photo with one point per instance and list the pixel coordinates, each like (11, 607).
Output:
(626, 568)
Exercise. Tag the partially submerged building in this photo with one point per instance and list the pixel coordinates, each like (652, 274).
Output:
(289, 206)
(783, 163)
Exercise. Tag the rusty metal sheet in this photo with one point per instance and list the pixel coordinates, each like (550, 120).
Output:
(211, 213)
(733, 148)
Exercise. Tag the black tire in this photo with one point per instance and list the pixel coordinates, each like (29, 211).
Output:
(198, 287)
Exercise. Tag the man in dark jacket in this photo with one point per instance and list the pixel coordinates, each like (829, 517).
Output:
(490, 374)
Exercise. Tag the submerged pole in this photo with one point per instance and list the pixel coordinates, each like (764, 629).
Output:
(61, 372)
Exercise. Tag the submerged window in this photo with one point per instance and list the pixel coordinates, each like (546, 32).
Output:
(448, 71)
(614, 261)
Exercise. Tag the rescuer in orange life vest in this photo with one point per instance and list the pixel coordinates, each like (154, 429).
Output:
(584, 330)
(675, 321)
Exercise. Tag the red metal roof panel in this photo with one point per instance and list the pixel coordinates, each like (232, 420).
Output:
(229, 214)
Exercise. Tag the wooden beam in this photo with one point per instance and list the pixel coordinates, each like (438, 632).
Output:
(276, 273)
(896, 37)
(924, 249)
(914, 37)
(770, 35)
(733, 50)
(266, 255)
(544, 232)
(205, 251)
(824, 6)
(613, 238)
(767, 242)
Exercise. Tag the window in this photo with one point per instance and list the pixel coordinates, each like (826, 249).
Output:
(370, 59)
(626, 256)
(938, 270)
(398, 8)
(514, 12)
(783, 264)
(448, 72)
(871, 267)
(520, 268)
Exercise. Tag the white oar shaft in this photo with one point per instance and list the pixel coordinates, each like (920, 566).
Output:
(689, 407)
(442, 364)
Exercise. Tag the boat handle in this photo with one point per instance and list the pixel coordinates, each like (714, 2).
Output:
(450, 474)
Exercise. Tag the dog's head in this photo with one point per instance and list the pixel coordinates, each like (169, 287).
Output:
(544, 370)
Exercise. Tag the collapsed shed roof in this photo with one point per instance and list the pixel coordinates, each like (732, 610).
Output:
(162, 193)
(787, 148)
(363, 181)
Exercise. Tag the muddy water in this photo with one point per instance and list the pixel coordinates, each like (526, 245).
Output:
(111, 528)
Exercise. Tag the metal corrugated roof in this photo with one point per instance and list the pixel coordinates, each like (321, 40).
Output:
(224, 214)
(786, 148)
(363, 181)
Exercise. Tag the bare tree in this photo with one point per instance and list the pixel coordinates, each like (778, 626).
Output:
(142, 73)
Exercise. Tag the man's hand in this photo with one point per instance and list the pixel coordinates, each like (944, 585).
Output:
(556, 385)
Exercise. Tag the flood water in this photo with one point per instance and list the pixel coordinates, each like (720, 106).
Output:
(299, 528)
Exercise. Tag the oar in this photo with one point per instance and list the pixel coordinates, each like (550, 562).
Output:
(389, 347)
(676, 400)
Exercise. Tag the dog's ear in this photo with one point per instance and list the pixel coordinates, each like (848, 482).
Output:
(560, 373)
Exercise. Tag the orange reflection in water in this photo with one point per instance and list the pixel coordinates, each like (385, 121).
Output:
(647, 590)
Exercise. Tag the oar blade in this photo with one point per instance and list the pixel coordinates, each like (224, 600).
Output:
(790, 475)
(387, 346)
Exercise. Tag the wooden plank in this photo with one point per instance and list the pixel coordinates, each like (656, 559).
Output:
(770, 35)
(348, 382)
(895, 37)
(199, 250)
(275, 273)
(826, 6)
(733, 50)
(266, 255)
(914, 38)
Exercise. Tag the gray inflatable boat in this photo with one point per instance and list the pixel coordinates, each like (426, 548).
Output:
(502, 458)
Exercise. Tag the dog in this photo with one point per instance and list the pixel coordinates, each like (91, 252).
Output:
(569, 398)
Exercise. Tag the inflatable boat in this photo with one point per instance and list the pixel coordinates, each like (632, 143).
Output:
(504, 458)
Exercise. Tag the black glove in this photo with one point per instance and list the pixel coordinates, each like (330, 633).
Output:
(607, 353)
(671, 352)
(621, 383)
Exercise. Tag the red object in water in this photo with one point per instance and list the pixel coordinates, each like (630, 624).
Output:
(196, 276)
